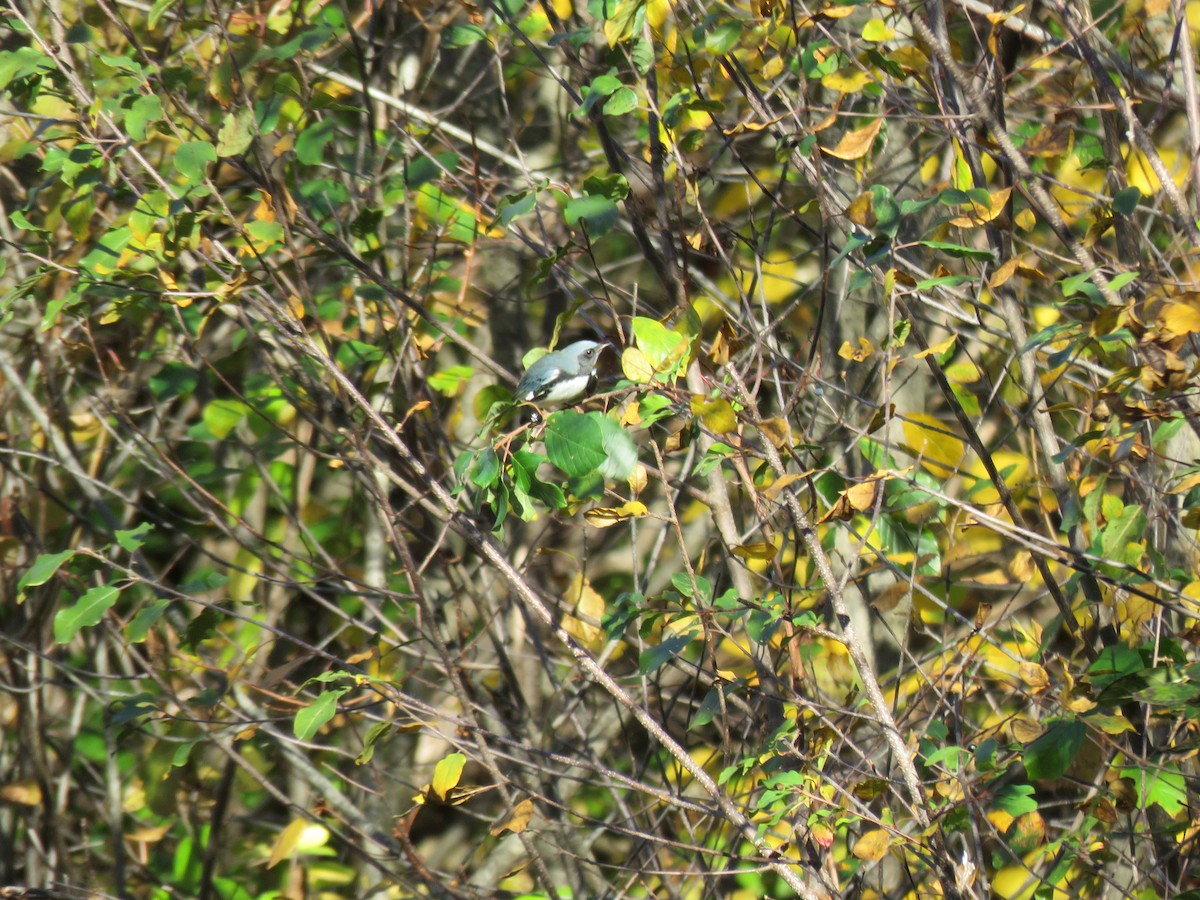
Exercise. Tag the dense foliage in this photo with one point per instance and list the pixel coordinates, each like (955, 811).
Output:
(870, 571)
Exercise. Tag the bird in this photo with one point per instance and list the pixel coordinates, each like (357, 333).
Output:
(562, 377)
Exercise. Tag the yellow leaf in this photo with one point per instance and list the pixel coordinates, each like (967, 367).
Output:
(603, 516)
(585, 600)
(855, 499)
(1180, 318)
(635, 366)
(23, 793)
(937, 349)
(872, 846)
(1145, 179)
(877, 30)
(1034, 676)
(939, 449)
(149, 834)
(715, 413)
(1015, 266)
(850, 80)
(911, 59)
(638, 479)
(518, 821)
(979, 214)
(777, 431)
(997, 17)
(776, 487)
(761, 552)
(857, 143)
(285, 845)
(656, 13)
(865, 350)
(447, 772)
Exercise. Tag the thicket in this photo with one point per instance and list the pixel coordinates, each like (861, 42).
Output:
(870, 571)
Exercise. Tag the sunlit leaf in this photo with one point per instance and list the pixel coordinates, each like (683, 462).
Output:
(447, 773)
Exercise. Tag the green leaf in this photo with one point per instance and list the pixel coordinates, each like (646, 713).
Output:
(310, 143)
(147, 617)
(662, 653)
(125, 711)
(310, 720)
(624, 22)
(958, 250)
(132, 539)
(451, 380)
(615, 187)
(1160, 783)
(143, 112)
(486, 469)
(574, 443)
(1015, 799)
(621, 101)
(376, 731)
(43, 569)
(595, 214)
(1127, 528)
(512, 207)
(1125, 201)
(87, 611)
(157, 9)
(222, 416)
(447, 773)
(192, 160)
(1075, 283)
(237, 132)
(666, 349)
(1050, 755)
(723, 38)
(620, 452)
(944, 281)
(458, 36)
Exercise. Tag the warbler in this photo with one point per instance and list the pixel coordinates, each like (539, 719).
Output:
(562, 377)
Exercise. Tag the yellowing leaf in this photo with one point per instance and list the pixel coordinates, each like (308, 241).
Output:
(635, 366)
(979, 214)
(26, 792)
(585, 600)
(285, 845)
(850, 80)
(872, 846)
(938, 448)
(777, 487)
(857, 143)
(619, 26)
(149, 834)
(777, 431)
(877, 30)
(518, 821)
(638, 479)
(1034, 676)
(855, 499)
(1145, 179)
(603, 516)
(1016, 266)
(447, 772)
(761, 552)
(715, 414)
(1180, 318)
(937, 349)
(865, 350)
(911, 59)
